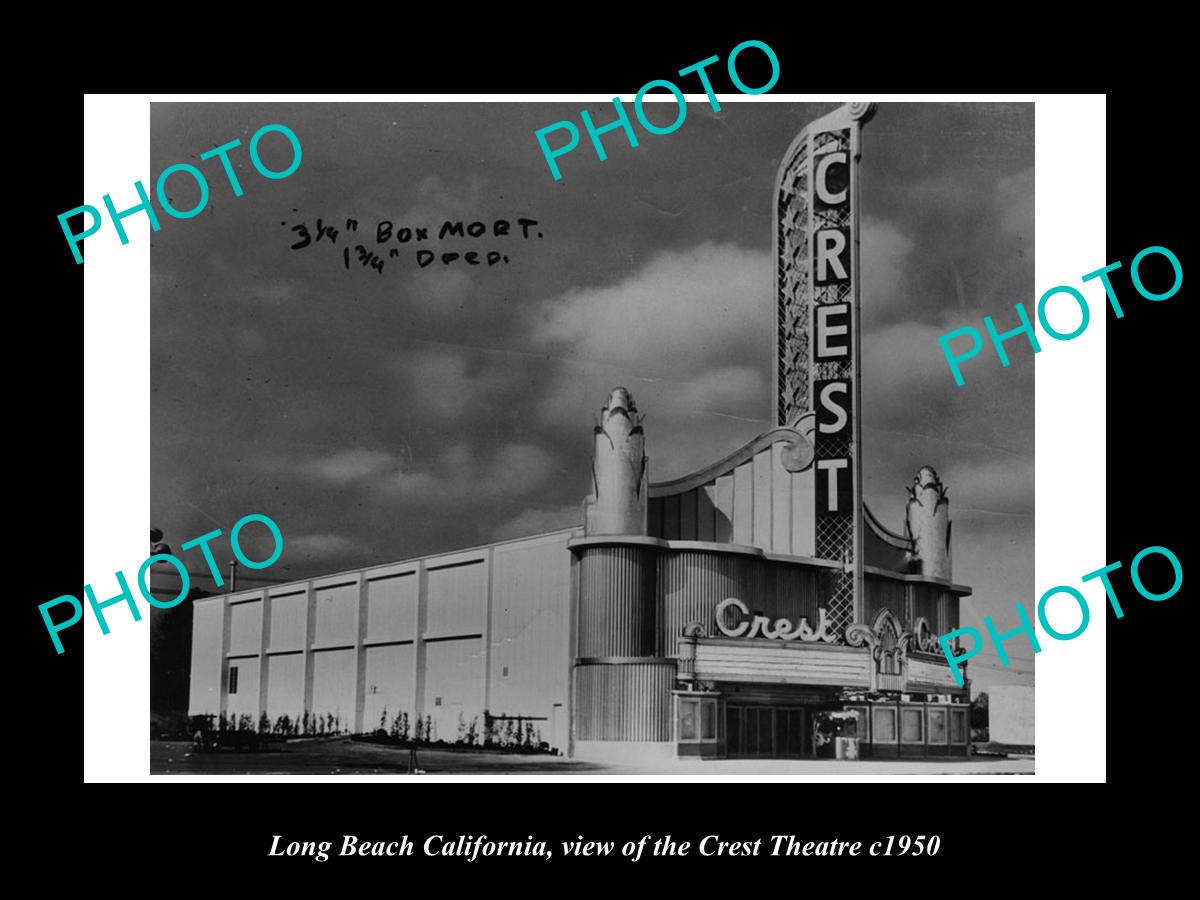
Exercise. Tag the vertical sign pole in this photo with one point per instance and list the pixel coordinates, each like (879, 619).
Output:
(861, 113)
(818, 339)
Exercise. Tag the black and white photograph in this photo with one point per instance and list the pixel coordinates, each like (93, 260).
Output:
(656, 467)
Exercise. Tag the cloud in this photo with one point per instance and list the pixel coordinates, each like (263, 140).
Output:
(317, 547)
(350, 466)
(991, 485)
(446, 384)
(539, 520)
(729, 390)
(677, 332)
(885, 253)
(518, 469)
(273, 291)
(439, 289)
(679, 313)
(1014, 197)
(436, 380)
(456, 476)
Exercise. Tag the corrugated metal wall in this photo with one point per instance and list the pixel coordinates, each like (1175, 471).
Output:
(947, 612)
(925, 603)
(757, 504)
(617, 603)
(692, 583)
(884, 593)
(630, 702)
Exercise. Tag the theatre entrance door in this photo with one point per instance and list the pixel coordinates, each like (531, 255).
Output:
(766, 731)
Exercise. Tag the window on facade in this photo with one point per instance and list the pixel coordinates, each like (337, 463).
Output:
(911, 731)
(883, 724)
(937, 725)
(861, 730)
(958, 726)
(233, 673)
(708, 720)
(687, 720)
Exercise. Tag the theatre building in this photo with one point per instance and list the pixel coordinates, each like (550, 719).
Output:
(754, 608)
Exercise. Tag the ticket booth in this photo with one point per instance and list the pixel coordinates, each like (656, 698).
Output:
(699, 731)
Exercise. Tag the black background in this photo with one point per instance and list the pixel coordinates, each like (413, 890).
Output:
(164, 834)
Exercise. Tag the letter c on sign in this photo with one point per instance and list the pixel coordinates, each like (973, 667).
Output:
(822, 170)
(725, 629)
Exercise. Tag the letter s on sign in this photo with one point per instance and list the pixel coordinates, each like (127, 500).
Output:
(828, 402)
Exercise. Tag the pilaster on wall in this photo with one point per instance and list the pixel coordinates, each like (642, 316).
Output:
(572, 625)
(487, 633)
(419, 641)
(310, 634)
(226, 628)
(263, 659)
(360, 655)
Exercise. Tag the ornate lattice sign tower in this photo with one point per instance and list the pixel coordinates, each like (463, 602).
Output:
(817, 344)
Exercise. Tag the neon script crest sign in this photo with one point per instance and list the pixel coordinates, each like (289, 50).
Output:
(761, 626)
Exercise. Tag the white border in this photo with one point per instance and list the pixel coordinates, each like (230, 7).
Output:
(1070, 429)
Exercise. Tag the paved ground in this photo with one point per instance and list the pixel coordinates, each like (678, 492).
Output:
(342, 756)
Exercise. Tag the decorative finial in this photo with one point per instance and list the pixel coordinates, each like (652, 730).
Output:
(862, 112)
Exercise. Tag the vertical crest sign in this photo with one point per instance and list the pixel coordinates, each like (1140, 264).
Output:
(817, 341)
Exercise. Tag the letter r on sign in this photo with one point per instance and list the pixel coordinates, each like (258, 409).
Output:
(832, 255)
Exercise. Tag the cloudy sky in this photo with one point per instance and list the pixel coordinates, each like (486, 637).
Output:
(381, 415)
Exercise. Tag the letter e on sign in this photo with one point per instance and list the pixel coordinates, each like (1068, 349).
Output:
(832, 330)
